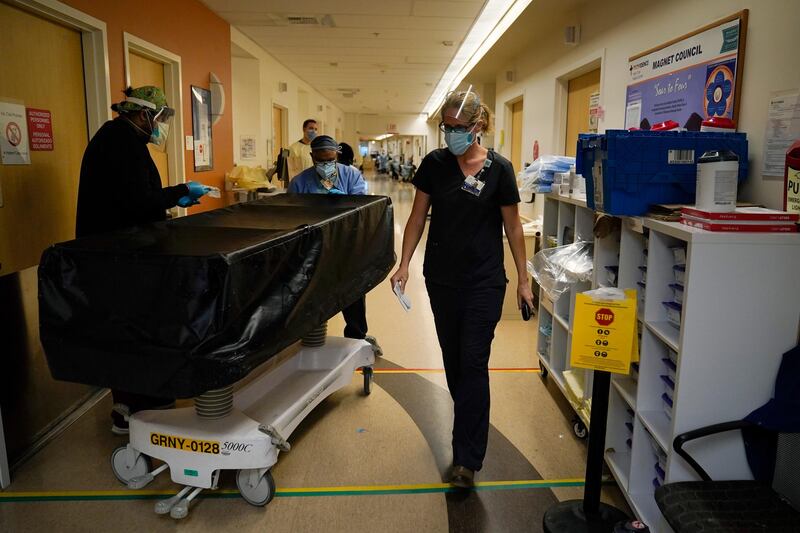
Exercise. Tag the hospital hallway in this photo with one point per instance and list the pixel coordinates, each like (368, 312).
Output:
(357, 463)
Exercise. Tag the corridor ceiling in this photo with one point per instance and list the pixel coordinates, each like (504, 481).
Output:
(367, 56)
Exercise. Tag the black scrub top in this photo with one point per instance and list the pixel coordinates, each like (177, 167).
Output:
(465, 238)
(120, 186)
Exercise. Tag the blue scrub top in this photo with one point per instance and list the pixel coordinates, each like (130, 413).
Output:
(350, 181)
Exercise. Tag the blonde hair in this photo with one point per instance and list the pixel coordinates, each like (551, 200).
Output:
(473, 109)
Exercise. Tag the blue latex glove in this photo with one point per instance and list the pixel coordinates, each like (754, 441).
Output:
(196, 190)
(334, 190)
(187, 201)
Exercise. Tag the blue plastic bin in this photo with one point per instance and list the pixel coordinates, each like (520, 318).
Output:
(628, 171)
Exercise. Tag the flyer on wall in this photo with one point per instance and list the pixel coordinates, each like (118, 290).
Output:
(14, 148)
(687, 81)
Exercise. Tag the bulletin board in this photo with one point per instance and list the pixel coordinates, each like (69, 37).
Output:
(689, 79)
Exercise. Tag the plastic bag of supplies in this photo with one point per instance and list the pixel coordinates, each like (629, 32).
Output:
(557, 269)
(538, 176)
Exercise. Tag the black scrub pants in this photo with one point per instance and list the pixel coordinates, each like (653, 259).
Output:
(355, 318)
(465, 322)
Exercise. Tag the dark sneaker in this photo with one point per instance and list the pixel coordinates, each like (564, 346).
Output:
(376, 348)
(119, 416)
(121, 412)
(462, 477)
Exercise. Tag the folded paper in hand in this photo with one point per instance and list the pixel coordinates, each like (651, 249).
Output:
(404, 301)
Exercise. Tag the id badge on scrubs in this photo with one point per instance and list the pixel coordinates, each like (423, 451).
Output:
(473, 186)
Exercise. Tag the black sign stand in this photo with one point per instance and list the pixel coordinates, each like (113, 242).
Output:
(589, 515)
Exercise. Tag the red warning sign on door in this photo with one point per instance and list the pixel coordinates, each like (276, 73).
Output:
(40, 129)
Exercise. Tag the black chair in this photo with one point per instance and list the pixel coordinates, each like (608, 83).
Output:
(735, 506)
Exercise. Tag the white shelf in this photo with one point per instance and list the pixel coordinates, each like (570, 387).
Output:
(626, 388)
(645, 507)
(665, 331)
(546, 302)
(573, 380)
(561, 322)
(566, 199)
(620, 465)
(701, 236)
(744, 274)
(658, 425)
(555, 374)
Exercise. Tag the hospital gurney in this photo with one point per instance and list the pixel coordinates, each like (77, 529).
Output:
(188, 307)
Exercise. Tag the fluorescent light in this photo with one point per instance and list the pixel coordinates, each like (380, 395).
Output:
(496, 17)
(384, 136)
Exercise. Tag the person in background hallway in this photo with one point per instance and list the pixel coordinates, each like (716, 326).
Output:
(347, 157)
(120, 187)
(473, 195)
(300, 151)
(329, 177)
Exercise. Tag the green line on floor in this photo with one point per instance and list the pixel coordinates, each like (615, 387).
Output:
(377, 490)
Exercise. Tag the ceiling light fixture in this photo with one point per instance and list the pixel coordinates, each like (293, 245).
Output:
(495, 18)
(383, 137)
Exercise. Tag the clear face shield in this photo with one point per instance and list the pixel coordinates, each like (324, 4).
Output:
(160, 122)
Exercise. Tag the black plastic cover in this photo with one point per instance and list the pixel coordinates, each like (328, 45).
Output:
(176, 308)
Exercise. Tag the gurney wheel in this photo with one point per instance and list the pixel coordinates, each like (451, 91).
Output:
(120, 468)
(260, 494)
(367, 370)
(579, 428)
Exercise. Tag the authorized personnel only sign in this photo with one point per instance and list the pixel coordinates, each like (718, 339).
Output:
(604, 333)
(40, 129)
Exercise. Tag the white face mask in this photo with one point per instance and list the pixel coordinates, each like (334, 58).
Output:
(160, 134)
(326, 169)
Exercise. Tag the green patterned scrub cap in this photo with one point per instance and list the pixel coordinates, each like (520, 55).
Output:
(147, 97)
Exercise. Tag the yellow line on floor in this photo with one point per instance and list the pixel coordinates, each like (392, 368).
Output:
(441, 371)
(352, 490)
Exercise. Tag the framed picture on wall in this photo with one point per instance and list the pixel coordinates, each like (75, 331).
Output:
(201, 129)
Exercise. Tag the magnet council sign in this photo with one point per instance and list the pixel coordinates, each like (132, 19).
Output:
(689, 79)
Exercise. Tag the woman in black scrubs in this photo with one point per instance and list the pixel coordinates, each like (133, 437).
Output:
(473, 194)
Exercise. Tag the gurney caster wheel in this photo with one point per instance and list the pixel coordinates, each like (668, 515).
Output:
(120, 464)
(579, 428)
(367, 370)
(258, 494)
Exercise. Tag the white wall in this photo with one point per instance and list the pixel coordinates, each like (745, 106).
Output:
(246, 92)
(614, 30)
(252, 109)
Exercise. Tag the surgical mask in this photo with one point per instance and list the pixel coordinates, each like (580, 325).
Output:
(311, 134)
(160, 133)
(326, 169)
(458, 142)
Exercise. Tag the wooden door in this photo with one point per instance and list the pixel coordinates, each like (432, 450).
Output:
(578, 92)
(278, 141)
(145, 71)
(516, 135)
(42, 68)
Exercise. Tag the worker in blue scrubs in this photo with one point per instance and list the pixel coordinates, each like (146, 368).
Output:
(327, 176)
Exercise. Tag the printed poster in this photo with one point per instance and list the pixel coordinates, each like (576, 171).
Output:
(14, 149)
(604, 336)
(783, 128)
(247, 147)
(687, 82)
